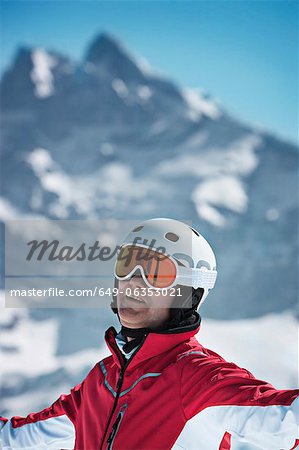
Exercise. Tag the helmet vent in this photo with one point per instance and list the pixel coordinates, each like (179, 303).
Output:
(172, 237)
(194, 231)
(138, 228)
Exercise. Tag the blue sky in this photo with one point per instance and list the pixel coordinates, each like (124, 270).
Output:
(244, 53)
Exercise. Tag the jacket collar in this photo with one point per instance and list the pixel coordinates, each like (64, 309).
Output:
(154, 343)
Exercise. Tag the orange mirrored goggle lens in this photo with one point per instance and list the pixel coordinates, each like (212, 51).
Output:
(159, 269)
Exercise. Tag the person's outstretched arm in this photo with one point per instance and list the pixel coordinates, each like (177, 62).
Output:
(222, 399)
(52, 428)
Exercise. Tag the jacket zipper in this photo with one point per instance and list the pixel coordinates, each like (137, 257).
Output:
(118, 386)
(116, 426)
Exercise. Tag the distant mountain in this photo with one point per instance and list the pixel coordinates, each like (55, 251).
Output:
(110, 137)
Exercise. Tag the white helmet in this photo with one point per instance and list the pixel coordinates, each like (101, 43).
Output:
(185, 245)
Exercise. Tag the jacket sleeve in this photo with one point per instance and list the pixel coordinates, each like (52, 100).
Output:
(52, 428)
(233, 400)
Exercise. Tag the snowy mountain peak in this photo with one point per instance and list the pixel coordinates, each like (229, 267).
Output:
(28, 57)
(102, 44)
(32, 76)
(112, 58)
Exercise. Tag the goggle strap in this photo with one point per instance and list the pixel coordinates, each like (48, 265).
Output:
(197, 277)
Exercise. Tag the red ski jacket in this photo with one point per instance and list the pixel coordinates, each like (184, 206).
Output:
(171, 394)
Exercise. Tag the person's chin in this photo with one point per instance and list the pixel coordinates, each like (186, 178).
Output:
(130, 317)
(127, 311)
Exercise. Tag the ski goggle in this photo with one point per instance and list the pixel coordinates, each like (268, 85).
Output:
(159, 270)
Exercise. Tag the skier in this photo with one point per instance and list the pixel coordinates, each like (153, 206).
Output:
(160, 388)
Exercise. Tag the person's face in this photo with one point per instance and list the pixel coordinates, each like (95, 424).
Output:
(137, 308)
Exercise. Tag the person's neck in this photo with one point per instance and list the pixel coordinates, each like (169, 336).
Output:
(133, 333)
